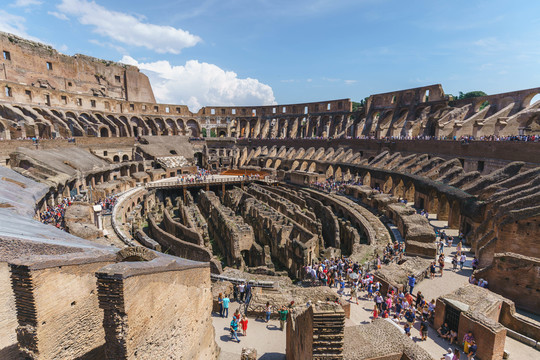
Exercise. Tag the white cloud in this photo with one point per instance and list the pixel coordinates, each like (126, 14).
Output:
(14, 24)
(350, 82)
(120, 49)
(25, 3)
(58, 15)
(127, 28)
(199, 84)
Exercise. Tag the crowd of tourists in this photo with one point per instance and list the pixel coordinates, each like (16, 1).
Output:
(462, 139)
(107, 204)
(242, 293)
(54, 215)
(332, 185)
(200, 176)
(401, 306)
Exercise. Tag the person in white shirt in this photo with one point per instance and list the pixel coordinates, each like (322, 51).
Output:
(449, 355)
(462, 261)
(241, 289)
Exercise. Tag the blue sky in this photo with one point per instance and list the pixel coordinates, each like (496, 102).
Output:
(253, 52)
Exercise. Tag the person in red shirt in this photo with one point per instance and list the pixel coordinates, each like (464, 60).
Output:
(244, 324)
(375, 313)
(409, 298)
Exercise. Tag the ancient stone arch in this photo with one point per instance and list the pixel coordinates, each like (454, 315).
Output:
(172, 126)
(388, 185)
(410, 192)
(329, 171)
(454, 216)
(312, 167)
(194, 129)
(367, 179)
(443, 208)
(135, 253)
(531, 99)
(338, 175)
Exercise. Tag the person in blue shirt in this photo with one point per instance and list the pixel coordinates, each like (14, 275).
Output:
(412, 282)
(226, 302)
(234, 329)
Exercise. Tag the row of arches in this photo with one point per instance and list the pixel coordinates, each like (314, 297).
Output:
(44, 122)
(298, 127)
(433, 201)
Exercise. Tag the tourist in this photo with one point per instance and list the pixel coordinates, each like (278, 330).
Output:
(441, 263)
(474, 264)
(282, 317)
(472, 350)
(453, 337)
(375, 313)
(412, 282)
(248, 293)
(408, 297)
(454, 262)
(458, 247)
(235, 292)
(378, 301)
(268, 310)
(244, 325)
(419, 300)
(449, 355)
(483, 283)
(237, 315)
(456, 355)
(425, 312)
(226, 302)
(410, 316)
(444, 331)
(407, 328)
(424, 329)
(233, 329)
(220, 302)
(354, 292)
(341, 287)
(467, 341)
(398, 309)
(431, 307)
(432, 270)
(241, 290)
(462, 260)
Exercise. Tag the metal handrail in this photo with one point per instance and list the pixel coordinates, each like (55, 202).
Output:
(203, 182)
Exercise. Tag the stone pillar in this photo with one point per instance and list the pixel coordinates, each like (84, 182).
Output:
(57, 306)
(98, 219)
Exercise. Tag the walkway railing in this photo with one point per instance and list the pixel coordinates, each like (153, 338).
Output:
(199, 182)
(255, 283)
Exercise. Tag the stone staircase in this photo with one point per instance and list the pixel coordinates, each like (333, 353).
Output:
(328, 332)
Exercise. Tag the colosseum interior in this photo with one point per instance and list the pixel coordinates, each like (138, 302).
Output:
(122, 218)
